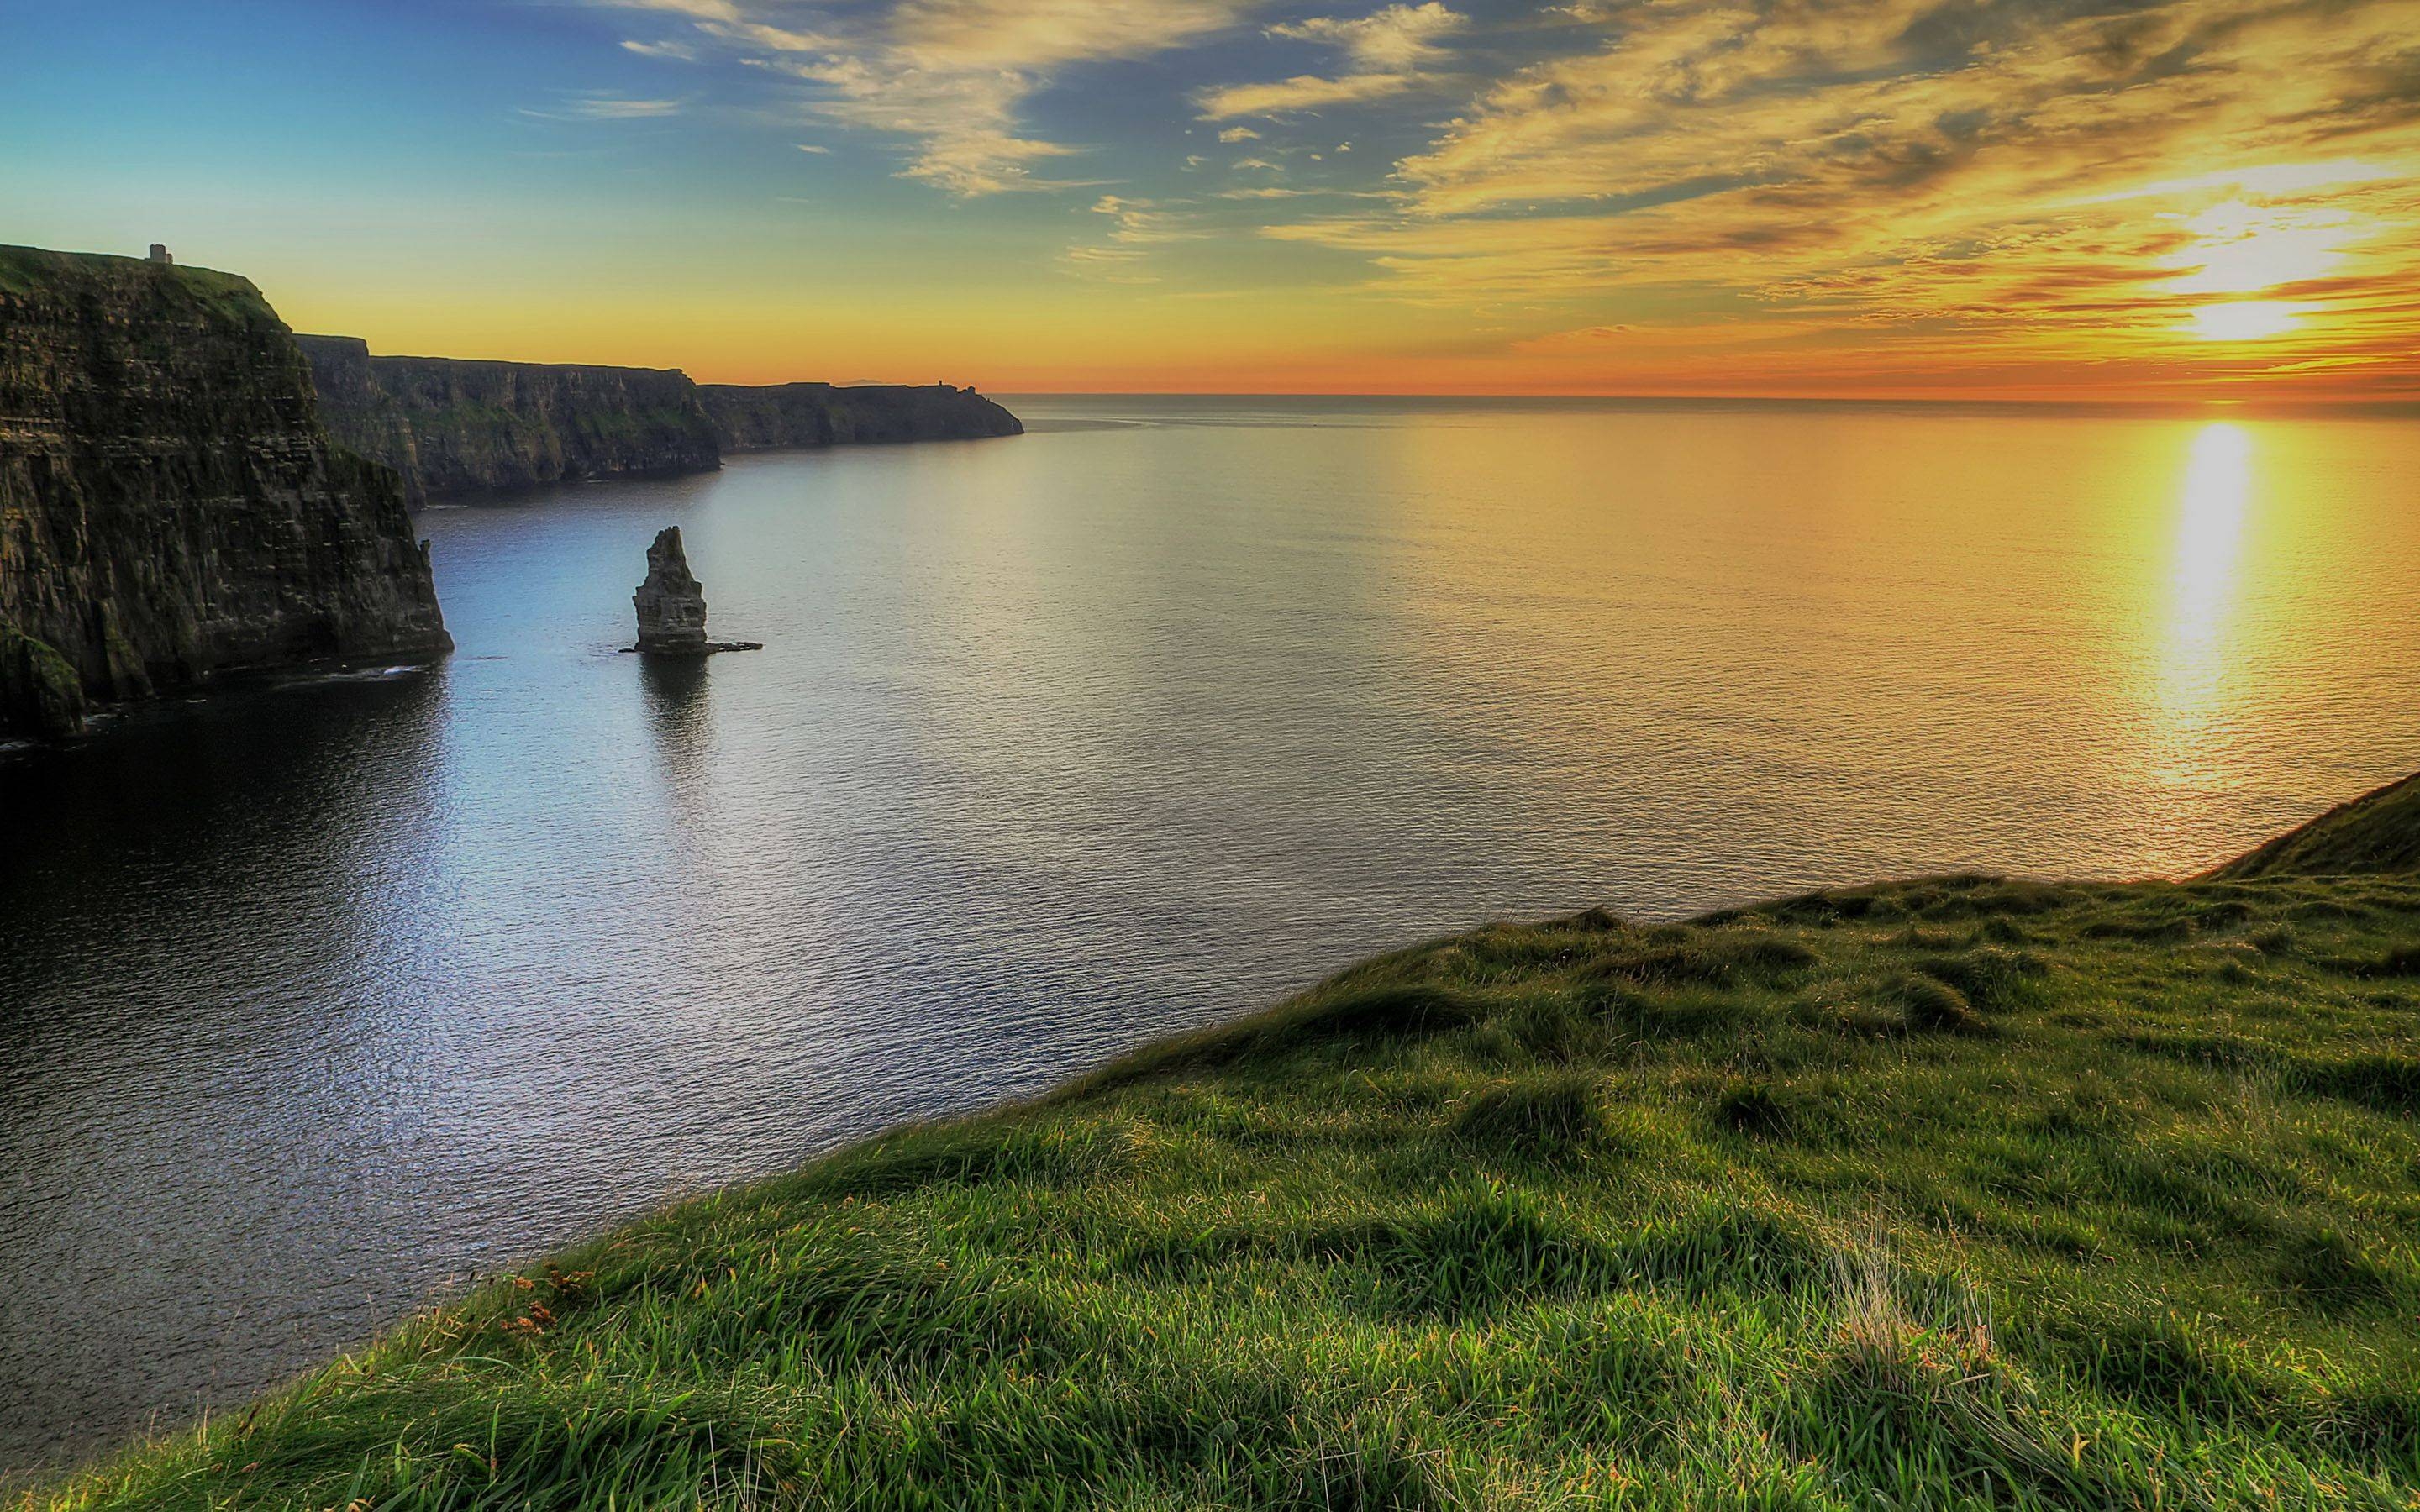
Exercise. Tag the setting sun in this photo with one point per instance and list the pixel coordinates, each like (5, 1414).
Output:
(2249, 320)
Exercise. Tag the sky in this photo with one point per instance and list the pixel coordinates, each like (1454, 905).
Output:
(2089, 199)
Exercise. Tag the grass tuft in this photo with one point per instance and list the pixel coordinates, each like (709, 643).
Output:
(1932, 1006)
(1751, 1108)
(1554, 1119)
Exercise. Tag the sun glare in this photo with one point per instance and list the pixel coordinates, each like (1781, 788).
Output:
(2214, 503)
(2246, 320)
(2269, 178)
(2244, 249)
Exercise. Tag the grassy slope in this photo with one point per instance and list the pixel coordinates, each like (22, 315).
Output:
(40, 273)
(1946, 1193)
(2377, 832)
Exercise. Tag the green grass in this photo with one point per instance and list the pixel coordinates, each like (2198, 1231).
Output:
(2379, 832)
(1956, 1192)
(36, 274)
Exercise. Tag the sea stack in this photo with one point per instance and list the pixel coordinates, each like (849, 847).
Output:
(672, 604)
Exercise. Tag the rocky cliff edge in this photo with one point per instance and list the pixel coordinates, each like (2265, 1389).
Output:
(170, 507)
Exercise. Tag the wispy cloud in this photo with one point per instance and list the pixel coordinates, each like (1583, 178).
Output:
(595, 107)
(1277, 191)
(1302, 92)
(1388, 52)
(1398, 39)
(1106, 265)
(1142, 222)
(949, 76)
(1136, 225)
(1794, 181)
(2037, 180)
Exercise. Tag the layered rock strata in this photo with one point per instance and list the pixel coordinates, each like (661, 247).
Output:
(170, 507)
(672, 604)
(824, 414)
(457, 429)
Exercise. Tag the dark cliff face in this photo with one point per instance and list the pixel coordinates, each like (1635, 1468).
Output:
(825, 414)
(169, 504)
(455, 426)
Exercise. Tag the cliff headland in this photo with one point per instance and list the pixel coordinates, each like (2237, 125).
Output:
(749, 419)
(1964, 1191)
(451, 426)
(170, 507)
(454, 427)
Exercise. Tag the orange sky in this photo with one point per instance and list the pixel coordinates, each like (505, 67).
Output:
(1997, 198)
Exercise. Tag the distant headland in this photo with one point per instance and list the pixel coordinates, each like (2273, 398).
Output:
(454, 427)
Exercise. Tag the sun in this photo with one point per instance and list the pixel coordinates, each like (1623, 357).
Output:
(2244, 319)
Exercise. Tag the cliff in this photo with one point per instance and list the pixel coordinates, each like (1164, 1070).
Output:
(169, 504)
(825, 414)
(453, 426)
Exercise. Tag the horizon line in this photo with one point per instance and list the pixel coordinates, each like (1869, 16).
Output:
(2381, 406)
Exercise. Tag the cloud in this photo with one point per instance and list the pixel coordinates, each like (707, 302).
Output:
(952, 77)
(1389, 52)
(1142, 222)
(1028, 35)
(1108, 264)
(2050, 180)
(2038, 181)
(1136, 226)
(680, 51)
(1274, 191)
(1398, 39)
(597, 107)
(1301, 92)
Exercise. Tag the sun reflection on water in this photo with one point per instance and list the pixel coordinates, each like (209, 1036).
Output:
(2215, 504)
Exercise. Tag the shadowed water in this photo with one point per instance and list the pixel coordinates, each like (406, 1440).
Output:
(318, 998)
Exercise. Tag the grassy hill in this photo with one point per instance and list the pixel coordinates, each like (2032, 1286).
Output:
(2378, 832)
(1962, 1192)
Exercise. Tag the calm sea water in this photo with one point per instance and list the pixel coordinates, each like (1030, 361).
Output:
(319, 997)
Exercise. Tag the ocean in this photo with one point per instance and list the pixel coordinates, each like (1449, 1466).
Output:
(323, 995)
